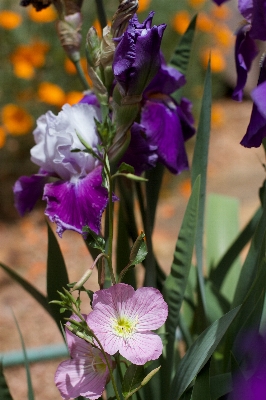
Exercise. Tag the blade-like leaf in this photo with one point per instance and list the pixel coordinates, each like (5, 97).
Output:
(199, 353)
(57, 277)
(202, 390)
(219, 271)
(199, 167)
(4, 390)
(155, 177)
(175, 284)
(250, 266)
(222, 227)
(132, 379)
(220, 385)
(26, 362)
(38, 296)
(181, 55)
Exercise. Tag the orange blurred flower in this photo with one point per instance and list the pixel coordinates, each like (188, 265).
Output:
(16, 119)
(51, 93)
(45, 15)
(143, 5)
(204, 23)
(218, 62)
(73, 97)
(2, 136)
(196, 3)
(27, 57)
(181, 21)
(10, 19)
(222, 12)
(185, 188)
(223, 35)
(217, 116)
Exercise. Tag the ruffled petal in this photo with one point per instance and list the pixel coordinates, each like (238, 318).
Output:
(164, 130)
(28, 190)
(72, 205)
(141, 348)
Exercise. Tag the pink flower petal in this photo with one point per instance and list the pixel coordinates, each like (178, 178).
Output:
(141, 348)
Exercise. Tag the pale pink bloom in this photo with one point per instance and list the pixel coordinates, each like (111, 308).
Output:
(122, 320)
(85, 374)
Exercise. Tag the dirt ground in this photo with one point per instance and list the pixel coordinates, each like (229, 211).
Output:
(233, 171)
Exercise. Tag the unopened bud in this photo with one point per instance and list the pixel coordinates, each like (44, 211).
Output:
(124, 13)
(107, 48)
(93, 48)
(69, 32)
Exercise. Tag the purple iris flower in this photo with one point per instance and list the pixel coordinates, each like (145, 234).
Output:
(164, 125)
(251, 355)
(77, 198)
(137, 56)
(245, 52)
(256, 130)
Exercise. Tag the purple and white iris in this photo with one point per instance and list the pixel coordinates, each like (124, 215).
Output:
(122, 319)
(77, 197)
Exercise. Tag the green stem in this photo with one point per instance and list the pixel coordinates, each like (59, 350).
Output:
(111, 229)
(101, 13)
(81, 75)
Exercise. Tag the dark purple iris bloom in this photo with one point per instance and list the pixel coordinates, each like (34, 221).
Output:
(245, 52)
(256, 130)
(251, 355)
(137, 56)
(164, 125)
(77, 197)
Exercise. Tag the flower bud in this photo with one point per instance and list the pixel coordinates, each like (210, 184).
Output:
(124, 13)
(69, 34)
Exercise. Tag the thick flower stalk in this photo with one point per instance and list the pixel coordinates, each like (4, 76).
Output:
(86, 373)
(77, 198)
(122, 319)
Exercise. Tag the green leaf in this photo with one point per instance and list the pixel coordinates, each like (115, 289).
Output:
(250, 267)
(4, 390)
(155, 177)
(123, 247)
(138, 251)
(57, 277)
(199, 167)
(219, 271)
(222, 227)
(26, 362)
(176, 282)
(134, 177)
(250, 314)
(181, 55)
(38, 296)
(218, 305)
(220, 385)
(132, 379)
(126, 168)
(202, 390)
(93, 240)
(199, 353)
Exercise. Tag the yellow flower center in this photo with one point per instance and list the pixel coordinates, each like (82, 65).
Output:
(124, 327)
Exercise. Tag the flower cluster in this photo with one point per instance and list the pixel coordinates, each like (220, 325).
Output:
(121, 319)
(77, 198)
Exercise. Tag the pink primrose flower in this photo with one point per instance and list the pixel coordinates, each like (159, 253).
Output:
(122, 320)
(86, 373)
